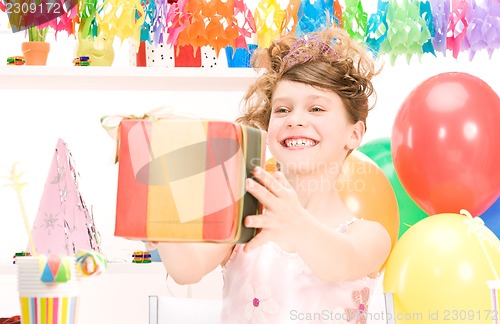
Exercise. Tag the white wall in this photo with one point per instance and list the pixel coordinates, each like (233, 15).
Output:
(31, 123)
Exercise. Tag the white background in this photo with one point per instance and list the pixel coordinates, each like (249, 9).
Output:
(32, 121)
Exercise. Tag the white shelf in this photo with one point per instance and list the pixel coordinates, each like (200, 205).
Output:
(113, 268)
(137, 268)
(125, 78)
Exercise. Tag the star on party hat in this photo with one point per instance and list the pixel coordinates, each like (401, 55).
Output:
(63, 224)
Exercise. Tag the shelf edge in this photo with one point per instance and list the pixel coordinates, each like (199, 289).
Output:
(125, 79)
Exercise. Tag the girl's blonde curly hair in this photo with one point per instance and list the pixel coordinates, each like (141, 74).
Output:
(328, 60)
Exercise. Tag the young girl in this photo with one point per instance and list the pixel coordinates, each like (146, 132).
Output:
(312, 261)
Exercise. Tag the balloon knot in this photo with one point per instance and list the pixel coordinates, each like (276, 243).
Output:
(476, 226)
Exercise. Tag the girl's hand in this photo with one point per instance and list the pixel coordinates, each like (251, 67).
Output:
(151, 245)
(283, 217)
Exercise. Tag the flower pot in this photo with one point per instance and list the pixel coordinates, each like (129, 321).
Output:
(35, 53)
(186, 56)
(99, 49)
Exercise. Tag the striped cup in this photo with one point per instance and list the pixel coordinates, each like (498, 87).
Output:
(48, 289)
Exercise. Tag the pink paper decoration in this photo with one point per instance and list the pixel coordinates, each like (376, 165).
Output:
(457, 26)
(63, 224)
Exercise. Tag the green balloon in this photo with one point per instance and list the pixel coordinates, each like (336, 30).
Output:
(379, 151)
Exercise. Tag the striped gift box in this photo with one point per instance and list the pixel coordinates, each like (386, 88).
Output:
(183, 179)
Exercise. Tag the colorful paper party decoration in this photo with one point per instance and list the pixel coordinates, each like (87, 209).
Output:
(491, 30)
(269, 18)
(122, 19)
(212, 23)
(87, 10)
(440, 15)
(63, 224)
(291, 18)
(66, 17)
(399, 27)
(220, 30)
(313, 15)
(483, 32)
(377, 27)
(176, 21)
(149, 7)
(337, 13)
(407, 30)
(457, 26)
(355, 20)
(159, 26)
(247, 28)
(426, 14)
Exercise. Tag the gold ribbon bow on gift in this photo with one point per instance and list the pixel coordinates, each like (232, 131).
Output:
(111, 123)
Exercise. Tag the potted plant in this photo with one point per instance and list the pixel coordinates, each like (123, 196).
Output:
(36, 50)
(93, 42)
(37, 34)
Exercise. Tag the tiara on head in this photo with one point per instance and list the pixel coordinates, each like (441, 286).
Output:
(306, 49)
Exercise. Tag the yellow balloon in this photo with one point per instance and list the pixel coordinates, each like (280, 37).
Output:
(438, 270)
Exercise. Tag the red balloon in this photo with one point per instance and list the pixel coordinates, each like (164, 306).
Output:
(445, 144)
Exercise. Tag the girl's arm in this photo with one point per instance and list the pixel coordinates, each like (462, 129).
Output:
(335, 256)
(331, 255)
(188, 263)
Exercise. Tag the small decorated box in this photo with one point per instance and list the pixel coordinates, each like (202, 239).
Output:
(15, 60)
(82, 61)
(141, 257)
(183, 179)
(20, 254)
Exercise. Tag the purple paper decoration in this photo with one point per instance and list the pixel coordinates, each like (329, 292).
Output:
(440, 14)
(483, 32)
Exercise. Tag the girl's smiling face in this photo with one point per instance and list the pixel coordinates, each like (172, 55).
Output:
(309, 127)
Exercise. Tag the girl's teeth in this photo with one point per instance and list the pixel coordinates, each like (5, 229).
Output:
(299, 142)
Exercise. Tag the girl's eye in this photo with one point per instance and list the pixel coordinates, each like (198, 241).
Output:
(316, 109)
(280, 110)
